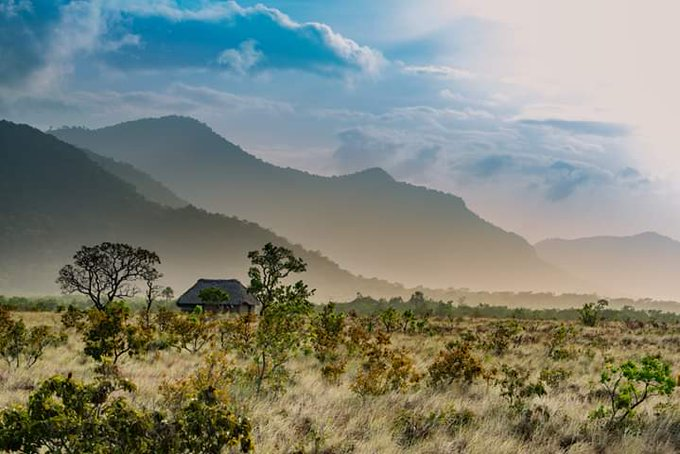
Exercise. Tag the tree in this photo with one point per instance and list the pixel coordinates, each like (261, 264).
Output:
(20, 345)
(151, 292)
(418, 298)
(107, 272)
(168, 293)
(280, 331)
(213, 296)
(591, 313)
(269, 268)
(110, 334)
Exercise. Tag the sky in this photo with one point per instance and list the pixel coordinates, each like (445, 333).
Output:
(550, 118)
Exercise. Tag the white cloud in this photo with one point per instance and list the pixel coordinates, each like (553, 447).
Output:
(241, 60)
(446, 72)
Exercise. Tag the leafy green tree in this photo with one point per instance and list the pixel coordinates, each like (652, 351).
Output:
(591, 313)
(390, 319)
(281, 331)
(213, 296)
(108, 272)
(270, 267)
(632, 383)
(111, 333)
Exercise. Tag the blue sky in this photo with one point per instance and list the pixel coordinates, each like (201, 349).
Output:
(548, 121)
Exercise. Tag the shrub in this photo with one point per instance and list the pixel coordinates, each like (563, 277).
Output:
(238, 334)
(411, 427)
(21, 346)
(327, 336)
(111, 333)
(516, 387)
(72, 317)
(591, 313)
(455, 363)
(557, 343)
(191, 332)
(631, 384)
(281, 331)
(390, 319)
(554, 377)
(384, 369)
(65, 415)
(502, 336)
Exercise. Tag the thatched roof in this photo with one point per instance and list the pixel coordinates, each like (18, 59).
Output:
(238, 294)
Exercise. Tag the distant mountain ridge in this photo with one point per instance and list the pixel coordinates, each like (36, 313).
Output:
(642, 265)
(367, 221)
(54, 198)
(146, 186)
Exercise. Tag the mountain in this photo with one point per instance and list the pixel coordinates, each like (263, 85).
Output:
(644, 265)
(145, 185)
(368, 222)
(55, 198)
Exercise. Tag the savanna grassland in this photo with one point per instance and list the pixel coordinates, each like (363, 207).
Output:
(394, 380)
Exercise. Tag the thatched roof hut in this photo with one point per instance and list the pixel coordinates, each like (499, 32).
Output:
(239, 298)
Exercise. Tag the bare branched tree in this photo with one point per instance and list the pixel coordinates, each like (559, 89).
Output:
(108, 271)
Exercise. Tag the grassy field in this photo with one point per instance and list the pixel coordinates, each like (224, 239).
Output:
(311, 415)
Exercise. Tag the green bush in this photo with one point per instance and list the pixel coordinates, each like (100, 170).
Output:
(67, 416)
(632, 383)
(516, 387)
(111, 333)
(591, 313)
(22, 346)
(455, 363)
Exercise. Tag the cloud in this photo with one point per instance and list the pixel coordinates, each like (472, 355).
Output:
(491, 165)
(24, 33)
(243, 59)
(42, 41)
(562, 179)
(104, 107)
(360, 150)
(581, 127)
(445, 72)
(250, 39)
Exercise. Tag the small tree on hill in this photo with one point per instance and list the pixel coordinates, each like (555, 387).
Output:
(270, 267)
(107, 272)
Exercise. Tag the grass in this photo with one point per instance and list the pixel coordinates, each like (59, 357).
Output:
(312, 416)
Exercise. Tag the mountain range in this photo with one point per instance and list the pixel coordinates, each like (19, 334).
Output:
(142, 182)
(367, 222)
(55, 198)
(644, 265)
